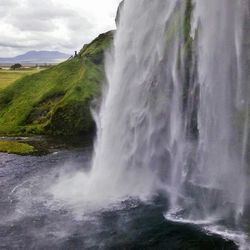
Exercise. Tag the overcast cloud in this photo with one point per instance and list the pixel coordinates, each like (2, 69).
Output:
(63, 25)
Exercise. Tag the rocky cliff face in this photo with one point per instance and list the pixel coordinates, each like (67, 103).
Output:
(118, 12)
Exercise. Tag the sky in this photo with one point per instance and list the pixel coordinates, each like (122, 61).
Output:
(63, 25)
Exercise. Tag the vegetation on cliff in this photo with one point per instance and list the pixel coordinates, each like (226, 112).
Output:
(56, 101)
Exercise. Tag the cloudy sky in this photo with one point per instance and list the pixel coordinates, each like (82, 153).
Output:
(63, 25)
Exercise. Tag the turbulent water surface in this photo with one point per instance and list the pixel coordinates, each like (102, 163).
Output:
(32, 219)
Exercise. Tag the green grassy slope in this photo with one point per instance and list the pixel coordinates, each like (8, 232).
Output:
(56, 101)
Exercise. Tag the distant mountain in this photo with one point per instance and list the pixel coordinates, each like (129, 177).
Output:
(36, 57)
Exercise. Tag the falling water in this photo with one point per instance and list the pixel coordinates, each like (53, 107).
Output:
(132, 153)
(211, 172)
(169, 118)
(174, 116)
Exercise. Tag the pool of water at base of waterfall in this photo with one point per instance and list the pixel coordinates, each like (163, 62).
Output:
(30, 221)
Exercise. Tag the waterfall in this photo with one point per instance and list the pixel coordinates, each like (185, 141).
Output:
(210, 177)
(175, 113)
(175, 110)
(131, 152)
(169, 119)
(215, 176)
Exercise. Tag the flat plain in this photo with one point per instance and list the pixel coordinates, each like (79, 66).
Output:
(7, 77)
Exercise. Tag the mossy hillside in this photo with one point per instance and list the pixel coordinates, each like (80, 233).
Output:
(95, 50)
(29, 105)
(56, 101)
(13, 147)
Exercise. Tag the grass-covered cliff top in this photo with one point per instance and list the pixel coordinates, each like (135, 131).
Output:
(56, 101)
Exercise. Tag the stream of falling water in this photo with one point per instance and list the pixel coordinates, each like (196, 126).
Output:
(174, 116)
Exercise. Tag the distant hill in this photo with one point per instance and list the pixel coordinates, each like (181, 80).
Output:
(36, 57)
